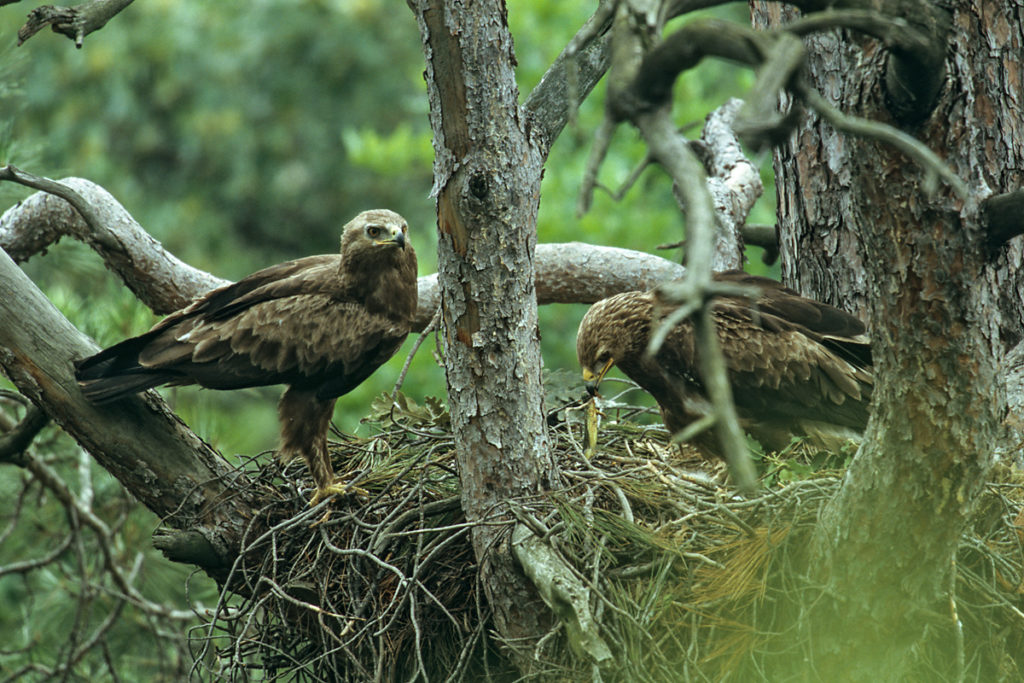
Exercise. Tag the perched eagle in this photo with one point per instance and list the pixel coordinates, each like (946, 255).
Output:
(797, 367)
(320, 324)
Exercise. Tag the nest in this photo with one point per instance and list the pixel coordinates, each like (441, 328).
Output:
(688, 581)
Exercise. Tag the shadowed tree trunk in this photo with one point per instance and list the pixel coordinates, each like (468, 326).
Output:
(860, 227)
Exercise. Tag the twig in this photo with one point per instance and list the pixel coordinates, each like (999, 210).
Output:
(412, 352)
(14, 442)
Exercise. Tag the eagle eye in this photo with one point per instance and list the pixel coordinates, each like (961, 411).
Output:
(374, 231)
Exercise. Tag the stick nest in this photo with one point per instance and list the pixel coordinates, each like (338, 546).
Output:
(688, 580)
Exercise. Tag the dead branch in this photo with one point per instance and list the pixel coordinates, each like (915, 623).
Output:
(916, 34)
(15, 441)
(652, 117)
(154, 275)
(75, 22)
(734, 183)
(569, 79)
(685, 48)
(139, 440)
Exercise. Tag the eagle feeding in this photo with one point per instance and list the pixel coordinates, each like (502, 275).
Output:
(797, 367)
(320, 324)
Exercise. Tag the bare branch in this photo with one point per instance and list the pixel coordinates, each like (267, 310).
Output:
(686, 47)
(138, 440)
(573, 272)
(916, 33)
(734, 183)
(14, 442)
(760, 123)
(630, 97)
(562, 591)
(75, 22)
(764, 236)
(569, 79)
(154, 275)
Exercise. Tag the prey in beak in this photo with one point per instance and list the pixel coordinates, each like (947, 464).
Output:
(592, 381)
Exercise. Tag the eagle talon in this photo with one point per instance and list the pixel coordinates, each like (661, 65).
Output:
(338, 487)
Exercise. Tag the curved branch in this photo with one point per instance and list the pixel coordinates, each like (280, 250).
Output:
(685, 48)
(569, 79)
(138, 440)
(154, 275)
(75, 22)
(734, 183)
(653, 119)
(14, 442)
(572, 272)
(914, 31)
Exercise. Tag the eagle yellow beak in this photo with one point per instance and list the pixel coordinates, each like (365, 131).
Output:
(592, 381)
(397, 238)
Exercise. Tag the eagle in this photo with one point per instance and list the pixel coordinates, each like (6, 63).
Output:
(797, 367)
(320, 325)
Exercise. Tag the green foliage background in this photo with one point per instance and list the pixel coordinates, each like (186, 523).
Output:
(245, 133)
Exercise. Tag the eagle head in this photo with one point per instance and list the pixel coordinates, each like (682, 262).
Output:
(374, 233)
(613, 329)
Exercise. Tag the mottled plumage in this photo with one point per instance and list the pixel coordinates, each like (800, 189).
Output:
(320, 324)
(797, 366)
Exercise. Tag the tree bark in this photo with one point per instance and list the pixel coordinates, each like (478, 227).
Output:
(138, 440)
(859, 228)
(487, 181)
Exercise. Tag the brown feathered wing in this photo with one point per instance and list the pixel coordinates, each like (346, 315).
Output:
(286, 324)
(320, 324)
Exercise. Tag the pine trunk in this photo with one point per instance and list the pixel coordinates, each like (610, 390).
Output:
(487, 174)
(859, 228)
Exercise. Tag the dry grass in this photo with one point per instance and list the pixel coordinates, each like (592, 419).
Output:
(689, 581)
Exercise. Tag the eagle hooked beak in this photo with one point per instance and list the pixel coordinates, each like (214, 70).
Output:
(397, 237)
(592, 381)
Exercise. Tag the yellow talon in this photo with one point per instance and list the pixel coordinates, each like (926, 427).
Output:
(337, 487)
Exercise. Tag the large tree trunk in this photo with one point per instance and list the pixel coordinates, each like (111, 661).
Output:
(859, 228)
(487, 174)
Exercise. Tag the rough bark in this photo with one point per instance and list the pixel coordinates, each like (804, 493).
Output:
(487, 182)
(858, 227)
(75, 22)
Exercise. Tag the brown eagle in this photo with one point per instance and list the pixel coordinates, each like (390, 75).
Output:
(320, 324)
(797, 367)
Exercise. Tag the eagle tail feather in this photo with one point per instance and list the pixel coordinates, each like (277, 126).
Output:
(106, 389)
(115, 373)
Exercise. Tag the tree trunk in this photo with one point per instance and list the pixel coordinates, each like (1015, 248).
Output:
(487, 174)
(859, 228)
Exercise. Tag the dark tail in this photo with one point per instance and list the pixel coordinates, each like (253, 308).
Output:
(115, 373)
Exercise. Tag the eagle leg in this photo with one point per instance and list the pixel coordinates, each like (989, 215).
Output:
(305, 420)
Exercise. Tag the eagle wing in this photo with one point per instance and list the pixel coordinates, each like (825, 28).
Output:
(779, 370)
(287, 324)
